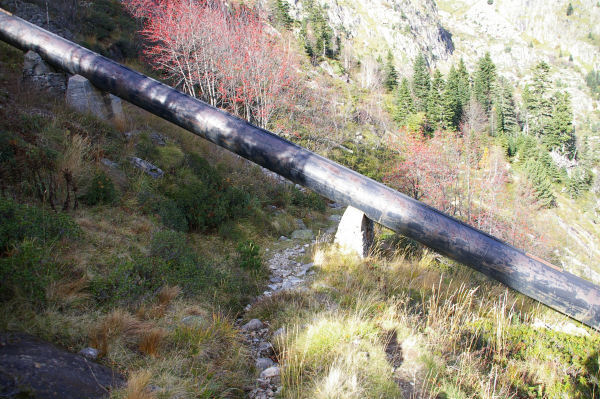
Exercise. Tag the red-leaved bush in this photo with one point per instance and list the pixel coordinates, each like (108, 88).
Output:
(225, 55)
(457, 174)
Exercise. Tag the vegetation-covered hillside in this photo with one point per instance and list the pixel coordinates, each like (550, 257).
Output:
(161, 275)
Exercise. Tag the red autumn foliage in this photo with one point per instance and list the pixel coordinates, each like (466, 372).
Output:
(456, 174)
(428, 170)
(225, 55)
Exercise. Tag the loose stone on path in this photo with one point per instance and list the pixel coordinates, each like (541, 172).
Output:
(287, 273)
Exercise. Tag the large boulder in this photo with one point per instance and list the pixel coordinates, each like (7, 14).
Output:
(355, 233)
(82, 96)
(30, 367)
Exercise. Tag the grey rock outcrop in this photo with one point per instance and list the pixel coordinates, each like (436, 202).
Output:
(39, 74)
(271, 372)
(84, 97)
(148, 168)
(158, 139)
(406, 27)
(519, 34)
(36, 15)
(335, 218)
(355, 232)
(108, 163)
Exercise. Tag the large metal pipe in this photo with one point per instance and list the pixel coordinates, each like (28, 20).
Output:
(533, 277)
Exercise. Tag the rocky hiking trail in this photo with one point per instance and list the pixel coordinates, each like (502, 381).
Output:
(288, 271)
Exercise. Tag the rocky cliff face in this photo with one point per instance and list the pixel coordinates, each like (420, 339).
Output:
(517, 33)
(406, 27)
(520, 33)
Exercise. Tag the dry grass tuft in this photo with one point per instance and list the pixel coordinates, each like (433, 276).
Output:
(76, 151)
(152, 341)
(195, 310)
(118, 324)
(167, 294)
(137, 386)
(68, 292)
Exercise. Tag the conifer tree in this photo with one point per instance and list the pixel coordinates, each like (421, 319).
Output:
(569, 10)
(584, 153)
(464, 86)
(485, 78)
(550, 167)
(560, 132)
(391, 76)
(506, 117)
(282, 13)
(537, 103)
(579, 182)
(421, 83)
(451, 100)
(536, 173)
(404, 102)
(435, 109)
(316, 33)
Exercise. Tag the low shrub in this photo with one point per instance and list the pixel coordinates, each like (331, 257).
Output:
(308, 199)
(205, 199)
(170, 157)
(101, 190)
(146, 149)
(27, 272)
(170, 246)
(249, 255)
(364, 159)
(151, 201)
(172, 261)
(196, 198)
(547, 349)
(129, 280)
(19, 222)
(170, 215)
(229, 230)
(140, 278)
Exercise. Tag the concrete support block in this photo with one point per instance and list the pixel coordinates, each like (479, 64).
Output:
(82, 96)
(41, 75)
(355, 233)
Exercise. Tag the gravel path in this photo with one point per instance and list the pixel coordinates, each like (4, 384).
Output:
(286, 273)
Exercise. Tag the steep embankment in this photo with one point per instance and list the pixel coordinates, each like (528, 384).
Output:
(371, 28)
(520, 34)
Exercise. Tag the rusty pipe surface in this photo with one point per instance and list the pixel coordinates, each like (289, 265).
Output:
(562, 291)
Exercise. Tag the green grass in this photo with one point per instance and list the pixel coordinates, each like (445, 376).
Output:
(95, 275)
(362, 326)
